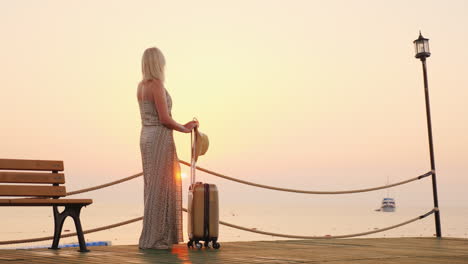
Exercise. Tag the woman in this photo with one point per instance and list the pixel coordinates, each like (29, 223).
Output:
(162, 219)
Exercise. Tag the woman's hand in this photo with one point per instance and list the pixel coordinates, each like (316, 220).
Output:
(190, 125)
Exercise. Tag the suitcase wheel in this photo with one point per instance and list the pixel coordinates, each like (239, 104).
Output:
(198, 245)
(216, 245)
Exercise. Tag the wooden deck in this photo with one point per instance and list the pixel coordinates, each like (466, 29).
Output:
(370, 250)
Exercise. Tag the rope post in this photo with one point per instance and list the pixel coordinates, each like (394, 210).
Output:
(431, 150)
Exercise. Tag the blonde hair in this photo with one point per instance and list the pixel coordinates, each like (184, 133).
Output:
(152, 64)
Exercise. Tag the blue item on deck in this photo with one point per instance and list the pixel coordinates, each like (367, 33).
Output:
(89, 244)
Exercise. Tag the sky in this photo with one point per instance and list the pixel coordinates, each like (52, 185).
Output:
(318, 95)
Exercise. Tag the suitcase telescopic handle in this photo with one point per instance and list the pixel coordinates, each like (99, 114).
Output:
(193, 162)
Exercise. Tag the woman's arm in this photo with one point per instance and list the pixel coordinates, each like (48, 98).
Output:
(159, 95)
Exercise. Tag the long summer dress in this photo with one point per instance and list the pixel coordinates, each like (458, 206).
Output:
(162, 219)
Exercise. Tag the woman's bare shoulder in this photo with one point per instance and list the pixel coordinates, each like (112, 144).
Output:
(153, 84)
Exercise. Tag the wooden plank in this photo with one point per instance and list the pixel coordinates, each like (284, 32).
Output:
(20, 164)
(351, 251)
(44, 202)
(31, 177)
(28, 190)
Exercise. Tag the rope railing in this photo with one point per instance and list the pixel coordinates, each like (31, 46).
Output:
(328, 236)
(97, 187)
(255, 184)
(309, 192)
(37, 239)
(226, 224)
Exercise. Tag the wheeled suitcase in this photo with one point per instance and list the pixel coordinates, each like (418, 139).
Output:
(203, 210)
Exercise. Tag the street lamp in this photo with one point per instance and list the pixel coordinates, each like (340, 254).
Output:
(421, 46)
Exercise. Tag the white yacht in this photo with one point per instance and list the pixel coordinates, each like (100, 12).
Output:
(388, 205)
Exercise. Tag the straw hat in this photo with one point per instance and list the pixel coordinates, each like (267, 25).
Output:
(201, 143)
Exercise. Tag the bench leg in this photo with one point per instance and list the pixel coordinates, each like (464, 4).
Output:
(59, 219)
(75, 214)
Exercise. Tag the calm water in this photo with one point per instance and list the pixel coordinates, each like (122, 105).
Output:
(19, 223)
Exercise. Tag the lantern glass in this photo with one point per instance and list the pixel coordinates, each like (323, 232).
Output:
(426, 45)
(421, 46)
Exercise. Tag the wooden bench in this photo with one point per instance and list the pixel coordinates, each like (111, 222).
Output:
(20, 174)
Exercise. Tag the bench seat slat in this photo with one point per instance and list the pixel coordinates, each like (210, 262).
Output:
(19, 164)
(28, 190)
(44, 202)
(31, 177)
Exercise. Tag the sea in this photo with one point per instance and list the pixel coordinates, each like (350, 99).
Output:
(31, 222)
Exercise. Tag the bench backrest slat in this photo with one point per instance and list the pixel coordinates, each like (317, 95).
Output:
(28, 190)
(31, 177)
(42, 165)
(26, 178)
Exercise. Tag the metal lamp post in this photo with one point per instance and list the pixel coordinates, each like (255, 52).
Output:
(422, 52)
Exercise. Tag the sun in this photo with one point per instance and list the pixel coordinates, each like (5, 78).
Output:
(183, 175)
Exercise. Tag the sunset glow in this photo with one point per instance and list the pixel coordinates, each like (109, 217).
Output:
(304, 94)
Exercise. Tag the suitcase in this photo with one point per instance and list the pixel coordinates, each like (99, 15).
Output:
(203, 211)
